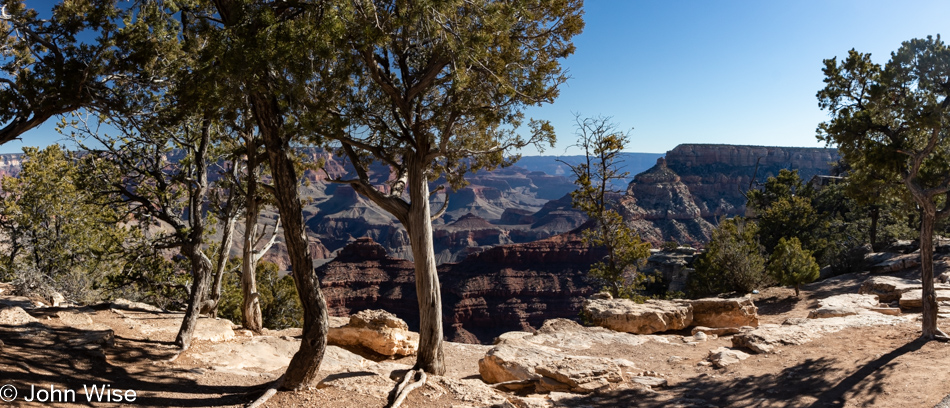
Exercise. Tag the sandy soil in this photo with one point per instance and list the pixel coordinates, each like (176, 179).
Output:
(882, 366)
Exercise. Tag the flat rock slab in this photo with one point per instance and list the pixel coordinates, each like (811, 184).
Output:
(716, 312)
(844, 305)
(627, 316)
(768, 338)
(547, 370)
(897, 263)
(914, 299)
(567, 335)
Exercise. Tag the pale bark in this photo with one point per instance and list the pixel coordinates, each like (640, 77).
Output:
(251, 307)
(431, 357)
(222, 263)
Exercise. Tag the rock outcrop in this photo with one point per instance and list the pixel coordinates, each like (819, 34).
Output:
(378, 331)
(624, 315)
(717, 312)
(695, 184)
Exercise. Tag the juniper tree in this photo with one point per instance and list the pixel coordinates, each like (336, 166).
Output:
(602, 145)
(438, 91)
(895, 120)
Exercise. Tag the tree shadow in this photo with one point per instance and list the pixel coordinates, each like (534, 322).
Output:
(41, 356)
(802, 385)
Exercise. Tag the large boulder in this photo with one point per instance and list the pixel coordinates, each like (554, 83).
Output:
(716, 312)
(625, 315)
(547, 370)
(376, 330)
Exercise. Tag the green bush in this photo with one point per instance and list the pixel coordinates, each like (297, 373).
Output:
(280, 305)
(791, 265)
(732, 262)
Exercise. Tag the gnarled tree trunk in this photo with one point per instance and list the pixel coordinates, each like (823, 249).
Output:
(431, 357)
(929, 298)
(200, 264)
(251, 307)
(303, 367)
(201, 280)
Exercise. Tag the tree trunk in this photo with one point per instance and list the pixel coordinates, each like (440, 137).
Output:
(223, 255)
(251, 308)
(200, 264)
(875, 216)
(431, 357)
(303, 367)
(929, 318)
(201, 280)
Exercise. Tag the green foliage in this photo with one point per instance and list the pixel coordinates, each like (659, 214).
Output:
(792, 265)
(732, 262)
(670, 245)
(602, 145)
(280, 305)
(58, 236)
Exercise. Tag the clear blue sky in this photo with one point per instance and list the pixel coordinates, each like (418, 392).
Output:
(736, 72)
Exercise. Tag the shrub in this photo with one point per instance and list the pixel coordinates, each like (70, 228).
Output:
(791, 265)
(732, 262)
(280, 305)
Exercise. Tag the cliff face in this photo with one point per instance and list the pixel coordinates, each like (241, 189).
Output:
(684, 195)
(660, 207)
(509, 287)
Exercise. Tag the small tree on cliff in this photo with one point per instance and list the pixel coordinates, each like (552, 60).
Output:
(895, 119)
(602, 145)
(733, 260)
(439, 90)
(792, 265)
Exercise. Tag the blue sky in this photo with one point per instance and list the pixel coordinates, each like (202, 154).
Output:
(736, 72)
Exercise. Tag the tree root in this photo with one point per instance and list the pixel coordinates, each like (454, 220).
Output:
(267, 394)
(405, 387)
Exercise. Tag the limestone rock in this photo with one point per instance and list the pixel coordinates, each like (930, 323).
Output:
(376, 330)
(57, 299)
(716, 312)
(130, 305)
(913, 299)
(889, 288)
(649, 381)
(213, 330)
(897, 263)
(844, 305)
(547, 370)
(15, 316)
(724, 357)
(627, 316)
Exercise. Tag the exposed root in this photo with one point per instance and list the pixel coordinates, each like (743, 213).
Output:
(405, 387)
(267, 394)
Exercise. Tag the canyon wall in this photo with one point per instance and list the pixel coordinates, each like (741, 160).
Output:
(684, 195)
(506, 288)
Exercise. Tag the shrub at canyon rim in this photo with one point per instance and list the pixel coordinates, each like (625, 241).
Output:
(732, 262)
(602, 144)
(792, 265)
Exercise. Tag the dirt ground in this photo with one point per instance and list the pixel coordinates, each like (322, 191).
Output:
(880, 366)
